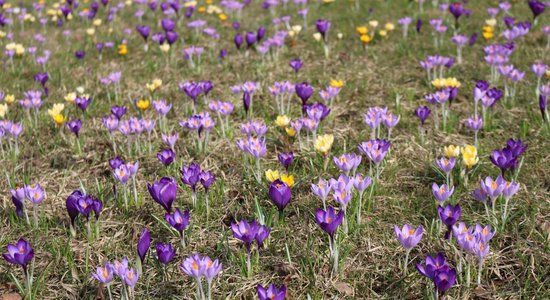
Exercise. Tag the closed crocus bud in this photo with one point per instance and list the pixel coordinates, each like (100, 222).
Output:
(238, 40)
(171, 37)
(165, 253)
(261, 33)
(144, 31)
(72, 204)
(246, 101)
(280, 194)
(250, 38)
(168, 24)
(144, 243)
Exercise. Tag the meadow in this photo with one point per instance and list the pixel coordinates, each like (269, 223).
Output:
(274, 149)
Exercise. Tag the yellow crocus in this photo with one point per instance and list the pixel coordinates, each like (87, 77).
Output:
(142, 104)
(324, 143)
(222, 17)
(70, 97)
(282, 121)
(272, 175)
(165, 47)
(383, 33)
(362, 30)
(469, 150)
(290, 131)
(373, 23)
(336, 83)
(317, 36)
(9, 99)
(3, 110)
(59, 119)
(389, 26)
(288, 179)
(452, 151)
(122, 49)
(365, 39)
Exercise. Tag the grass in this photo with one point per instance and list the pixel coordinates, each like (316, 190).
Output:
(296, 253)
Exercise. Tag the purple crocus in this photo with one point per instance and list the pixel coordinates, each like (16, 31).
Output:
(304, 91)
(42, 78)
(408, 236)
(296, 64)
(437, 270)
(118, 111)
(442, 193)
(246, 232)
(322, 27)
(143, 244)
(190, 176)
(164, 192)
(74, 126)
(286, 159)
(104, 274)
(329, 221)
(271, 293)
(449, 216)
(166, 156)
(178, 221)
(165, 253)
(536, 7)
(20, 254)
(422, 113)
(280, 194)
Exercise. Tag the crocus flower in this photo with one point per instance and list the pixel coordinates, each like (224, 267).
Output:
(329, 221)
(493, 188)
(322, 27)
(271, 293)
(286, 159)
(442, 193)
(408, 236)
(422, 112)
(246, 232)
(503, 159)
(178, 221)
(449, 216)
(304, 91)
(165, 253)
(118, 111)
(166, 156)
(19, 254)
(143, 244)
(104, 274)
(164, 192)
(193, 266)
(296, 64)
(130, 277)
(446, 164)
(74, 126)
(536, 7)
(18, 199)
(262, 235)
(35, 193)
(280, 194)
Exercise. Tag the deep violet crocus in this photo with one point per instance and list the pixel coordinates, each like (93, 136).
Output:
(296, 64)
(329, 221)
(449, 216)
(164, 192)
(190, 176)
(21, 254)
(143, 245)
(166, 156)
(537, 7)
(246, 232)
(286, 159)
(439, 272)
(165, 253)
(280, 194)
(179, 221)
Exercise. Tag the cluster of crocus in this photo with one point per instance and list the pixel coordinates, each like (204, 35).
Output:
(475, 241)
(191, 53)
(123, 172)
(376, 116)
(192, 175)
(194, 89)
(129, 276)
(33, 99)
(439, 31)
(488, 97)
(447, 92)
(507, 157)
(11, 132)
(409, 237)
(248, 89)
(283, 92)
(80, 204)
(197, 267)
(34, 194)
(376, 151)
(435, 66)
(255, 143)
(439, 272)
(248, 233)
(331, 92)
(222, 109)
(21, 254)
(497, 55)
(201, 123)
(132, 126)
(494, 190)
